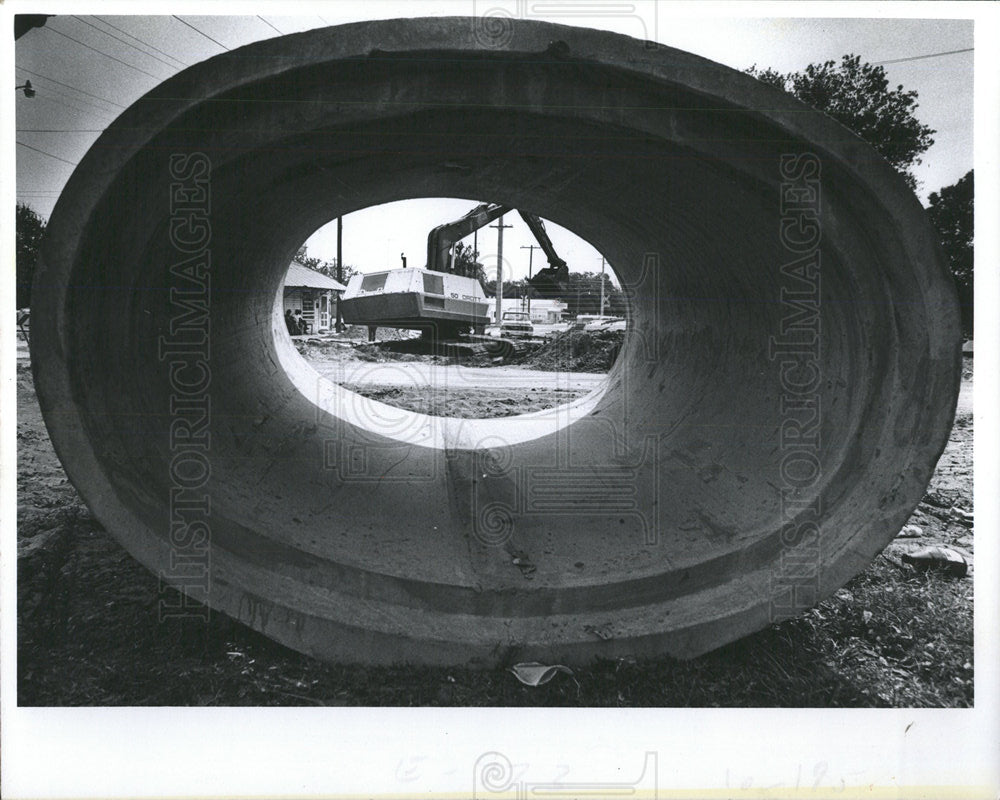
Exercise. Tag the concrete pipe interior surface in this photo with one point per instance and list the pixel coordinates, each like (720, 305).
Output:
(786, 385)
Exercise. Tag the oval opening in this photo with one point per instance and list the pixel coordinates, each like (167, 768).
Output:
(418, 331)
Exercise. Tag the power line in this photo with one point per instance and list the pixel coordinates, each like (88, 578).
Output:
(45, 95)
(74, 88)
(192, 27)
(269, 25)
(928, 55)
(102, 53)
(127, 44)
(142, 41)
(51, 95)
(59, 130)
(50, 155)
(62, 103)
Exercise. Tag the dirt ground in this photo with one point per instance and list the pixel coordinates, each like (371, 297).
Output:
(440, 391)
(89, 634)
(468, 403)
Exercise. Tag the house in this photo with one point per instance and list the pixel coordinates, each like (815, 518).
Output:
(312, 293)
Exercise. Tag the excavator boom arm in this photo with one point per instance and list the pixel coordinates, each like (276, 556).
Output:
(441, 238)
(537, 228)
(554, 278)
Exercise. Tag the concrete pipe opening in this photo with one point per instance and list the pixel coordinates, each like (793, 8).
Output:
(784, 391)
(552, 364)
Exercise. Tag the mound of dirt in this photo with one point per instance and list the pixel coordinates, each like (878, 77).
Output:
(340, 350)
(576, 351)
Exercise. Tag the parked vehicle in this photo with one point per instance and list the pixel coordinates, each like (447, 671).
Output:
(516, 324)
(606, 324)
(592, 322)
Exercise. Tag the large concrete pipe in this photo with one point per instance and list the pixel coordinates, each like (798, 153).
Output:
(786, 386)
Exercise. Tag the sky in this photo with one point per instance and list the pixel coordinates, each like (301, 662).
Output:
(87, 69)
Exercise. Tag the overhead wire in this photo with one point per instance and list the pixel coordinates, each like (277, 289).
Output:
(64, 104)
(127, 44)
(192, 27)
(142, 41)
(101, 52)
(46, 153)
(68, 86)
(66, 98)
(272, 27)
(927, 55)
(51, 96)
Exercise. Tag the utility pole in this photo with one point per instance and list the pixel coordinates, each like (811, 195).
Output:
(602, 286)
(531, 255)
(339, 326)
(500, 226)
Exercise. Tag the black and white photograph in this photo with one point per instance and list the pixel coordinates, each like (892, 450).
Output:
(490, 389)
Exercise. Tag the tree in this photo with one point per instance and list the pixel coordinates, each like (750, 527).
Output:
(858, 96)
(951, 211)
(29, 230)
(582, 294)
(328, 268)
(302, 257)
(467, 262)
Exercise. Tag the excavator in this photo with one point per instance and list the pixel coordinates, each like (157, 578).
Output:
(444, 299)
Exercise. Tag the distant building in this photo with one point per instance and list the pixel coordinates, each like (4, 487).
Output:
(543, 312)
(312, 293)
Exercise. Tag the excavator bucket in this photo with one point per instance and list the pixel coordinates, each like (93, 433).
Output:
(550, 281)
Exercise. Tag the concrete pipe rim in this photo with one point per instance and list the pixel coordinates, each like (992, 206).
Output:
(348, 607)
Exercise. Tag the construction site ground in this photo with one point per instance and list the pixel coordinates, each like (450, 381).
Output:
(480, 377)
(445, 386)
(90, 631)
